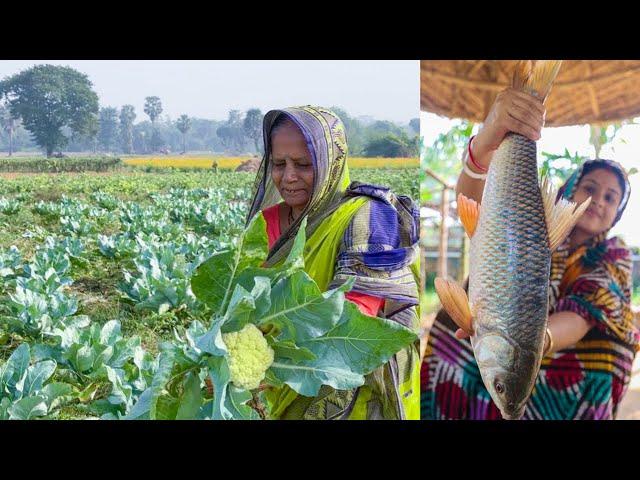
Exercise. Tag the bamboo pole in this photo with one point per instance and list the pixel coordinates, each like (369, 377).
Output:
(444, 234)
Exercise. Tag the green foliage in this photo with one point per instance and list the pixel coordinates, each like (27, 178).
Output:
(337, 344)
(62, 288)
(414, 123)
(443, 157)
(56, 165)
(157, 140)
(560, 167)
(9, 125)
(108, 128)
(48, 98)
(252, 125)
(232, 133)
(153, 108)
(127, 116)
(392, 145)
(183, 124)
(23, 393)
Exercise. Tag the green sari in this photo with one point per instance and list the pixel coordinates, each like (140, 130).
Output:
(340, 216)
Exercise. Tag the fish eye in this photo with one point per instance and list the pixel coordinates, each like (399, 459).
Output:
(499, 387)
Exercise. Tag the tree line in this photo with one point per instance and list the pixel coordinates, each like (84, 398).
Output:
(55, 108)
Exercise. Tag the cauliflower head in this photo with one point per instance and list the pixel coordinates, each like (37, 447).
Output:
(249, 356)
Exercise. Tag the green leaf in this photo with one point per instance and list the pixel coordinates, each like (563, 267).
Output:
(245, 305)
(632, 171)
(355, 347)
(5, 404)
(37, 375)
(166, 360)
(300, 310)
(101, 355)
(166, 407)
(364, 343)
(306, 378)
(295, 259)
(215, 278)
(191, 400)
(57, 393)
(40, 351)
(293, 263)
(87, 394)
(28, 408)
(110, 332)
(270, 378)
(120, 392)
(211, 342)
(16, 367)
(220, 376)
(235, 402)
(140, 411)
(288, 349)
(82, 357)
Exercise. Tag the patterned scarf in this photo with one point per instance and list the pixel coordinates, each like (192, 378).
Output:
(326, 140)
(594, 279)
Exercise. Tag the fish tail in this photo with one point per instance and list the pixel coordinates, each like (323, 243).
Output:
(535, 77)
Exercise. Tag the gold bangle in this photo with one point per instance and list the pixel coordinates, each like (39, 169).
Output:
(549, 345)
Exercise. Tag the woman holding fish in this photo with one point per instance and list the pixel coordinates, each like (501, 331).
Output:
(484, 349)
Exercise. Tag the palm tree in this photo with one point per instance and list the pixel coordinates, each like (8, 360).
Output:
(184, 124)
(153, 108)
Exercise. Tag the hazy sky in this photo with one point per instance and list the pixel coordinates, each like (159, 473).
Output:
(385, 90)
(623, 149)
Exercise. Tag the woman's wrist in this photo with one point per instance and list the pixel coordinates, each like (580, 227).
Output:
(472, 162)
(481, 154)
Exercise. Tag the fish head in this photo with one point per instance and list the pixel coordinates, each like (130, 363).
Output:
(507, 371)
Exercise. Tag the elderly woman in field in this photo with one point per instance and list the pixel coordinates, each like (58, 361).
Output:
(592, 338)
(353, 231)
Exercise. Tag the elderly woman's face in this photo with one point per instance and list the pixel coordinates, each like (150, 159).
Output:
(292, 166)
(604, 189)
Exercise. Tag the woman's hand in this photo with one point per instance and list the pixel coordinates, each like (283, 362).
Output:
(461, 334)
(512, 111)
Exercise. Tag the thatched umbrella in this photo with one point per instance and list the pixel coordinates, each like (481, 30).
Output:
(585, 91)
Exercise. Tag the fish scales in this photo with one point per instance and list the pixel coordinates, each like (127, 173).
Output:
(510, 272)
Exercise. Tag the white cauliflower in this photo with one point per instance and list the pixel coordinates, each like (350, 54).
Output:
(249, 356)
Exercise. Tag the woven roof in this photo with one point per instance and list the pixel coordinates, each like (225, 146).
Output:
(585, 91)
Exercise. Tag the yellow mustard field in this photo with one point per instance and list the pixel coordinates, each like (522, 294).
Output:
(233, 162)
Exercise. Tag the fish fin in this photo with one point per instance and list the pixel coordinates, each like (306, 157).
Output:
(535, 77)
(561, 216)
(455, 301)
(468, 211)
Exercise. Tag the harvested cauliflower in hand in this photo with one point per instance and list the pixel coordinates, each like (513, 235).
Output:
(249, 356)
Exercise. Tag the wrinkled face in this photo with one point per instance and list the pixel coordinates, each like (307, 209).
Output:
(508, 373)
(292, 165)
(605, 192)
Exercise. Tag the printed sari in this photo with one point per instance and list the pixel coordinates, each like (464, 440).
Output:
(586, 381)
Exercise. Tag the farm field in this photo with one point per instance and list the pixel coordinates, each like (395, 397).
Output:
(205, 161)
(96, 273)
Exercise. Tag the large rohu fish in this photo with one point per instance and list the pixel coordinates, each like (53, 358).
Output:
(513, 234)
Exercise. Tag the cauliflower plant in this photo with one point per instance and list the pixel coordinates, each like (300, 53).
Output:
(249, 356)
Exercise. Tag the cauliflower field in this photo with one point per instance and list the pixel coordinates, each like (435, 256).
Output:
(122, 293)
